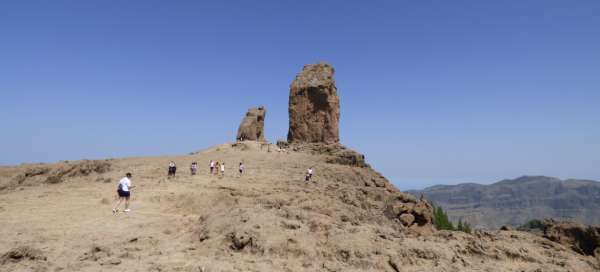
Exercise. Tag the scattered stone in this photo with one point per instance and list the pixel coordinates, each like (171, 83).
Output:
(314, 106)
(282, 144)
(240, 241)
(22, 253)
(96, 253)
(506, 228)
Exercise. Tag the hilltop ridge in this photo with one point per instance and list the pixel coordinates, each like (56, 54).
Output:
(350, 219)
(515, 201)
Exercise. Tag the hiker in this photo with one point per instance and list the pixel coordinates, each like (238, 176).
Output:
(241, 168)
(309, 174)
(172, 169)
(194, 168)
(223, 169)
(211, 164)
(123, 191)
(217, 166)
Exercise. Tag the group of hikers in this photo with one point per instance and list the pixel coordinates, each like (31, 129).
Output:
(215, 167)
(124, 187)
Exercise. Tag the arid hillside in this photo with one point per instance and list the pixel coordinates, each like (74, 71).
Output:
(57, 217)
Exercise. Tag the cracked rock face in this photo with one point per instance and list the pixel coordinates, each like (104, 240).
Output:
(252, 126)
(314, 106)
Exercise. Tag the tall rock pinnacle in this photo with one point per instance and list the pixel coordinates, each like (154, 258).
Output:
(314, 106)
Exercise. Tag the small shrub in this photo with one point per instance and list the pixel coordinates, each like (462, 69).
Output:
(463, 226)
(440, 219)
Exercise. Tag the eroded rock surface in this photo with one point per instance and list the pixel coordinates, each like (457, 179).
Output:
(252, 126)
(582, 239)
(314, 106)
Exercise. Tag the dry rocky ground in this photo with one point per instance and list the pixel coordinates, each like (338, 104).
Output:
(57, 217)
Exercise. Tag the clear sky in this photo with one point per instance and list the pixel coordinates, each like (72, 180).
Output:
(431, 91)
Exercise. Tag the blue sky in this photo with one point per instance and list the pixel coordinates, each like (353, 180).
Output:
(431, 91)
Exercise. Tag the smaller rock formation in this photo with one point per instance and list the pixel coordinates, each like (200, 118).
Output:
(582, 239)
(414, 214)
(506, 228)
(252, 127)
(314, 106)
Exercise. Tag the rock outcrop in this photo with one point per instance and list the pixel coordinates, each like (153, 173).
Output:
(252, 127)
(582, 239)
(410, 212)
(314, 106)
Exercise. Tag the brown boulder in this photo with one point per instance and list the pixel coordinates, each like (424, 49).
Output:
(410, 212)
(506, 228)
(252, 126)
(314, 106)
(582, 239)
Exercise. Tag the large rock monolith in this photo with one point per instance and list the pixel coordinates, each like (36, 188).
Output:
(252, 126)
(314, 106)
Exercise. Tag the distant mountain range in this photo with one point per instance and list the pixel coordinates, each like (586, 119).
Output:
(515, 201)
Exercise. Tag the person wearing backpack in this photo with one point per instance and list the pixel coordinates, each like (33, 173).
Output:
(123, 190)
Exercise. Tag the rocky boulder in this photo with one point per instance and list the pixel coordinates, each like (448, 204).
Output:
(410, 212)
(314, 106)
(252, 126)
(582, 239)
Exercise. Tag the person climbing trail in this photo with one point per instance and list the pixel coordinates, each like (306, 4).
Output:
(193, 168)
(211, 165)
(309, 174)
(241, 168)
(172, 169)
(223, 169)
(124, 193)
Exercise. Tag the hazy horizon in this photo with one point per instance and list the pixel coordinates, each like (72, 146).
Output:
(431, 93)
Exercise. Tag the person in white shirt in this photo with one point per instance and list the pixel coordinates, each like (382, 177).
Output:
(212, 166)
(242, 167)
(309, 174)
(223, 169)
(124, 192)
(172, 169)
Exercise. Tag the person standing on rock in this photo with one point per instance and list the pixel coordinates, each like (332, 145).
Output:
(211, 165)
(123, 191)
